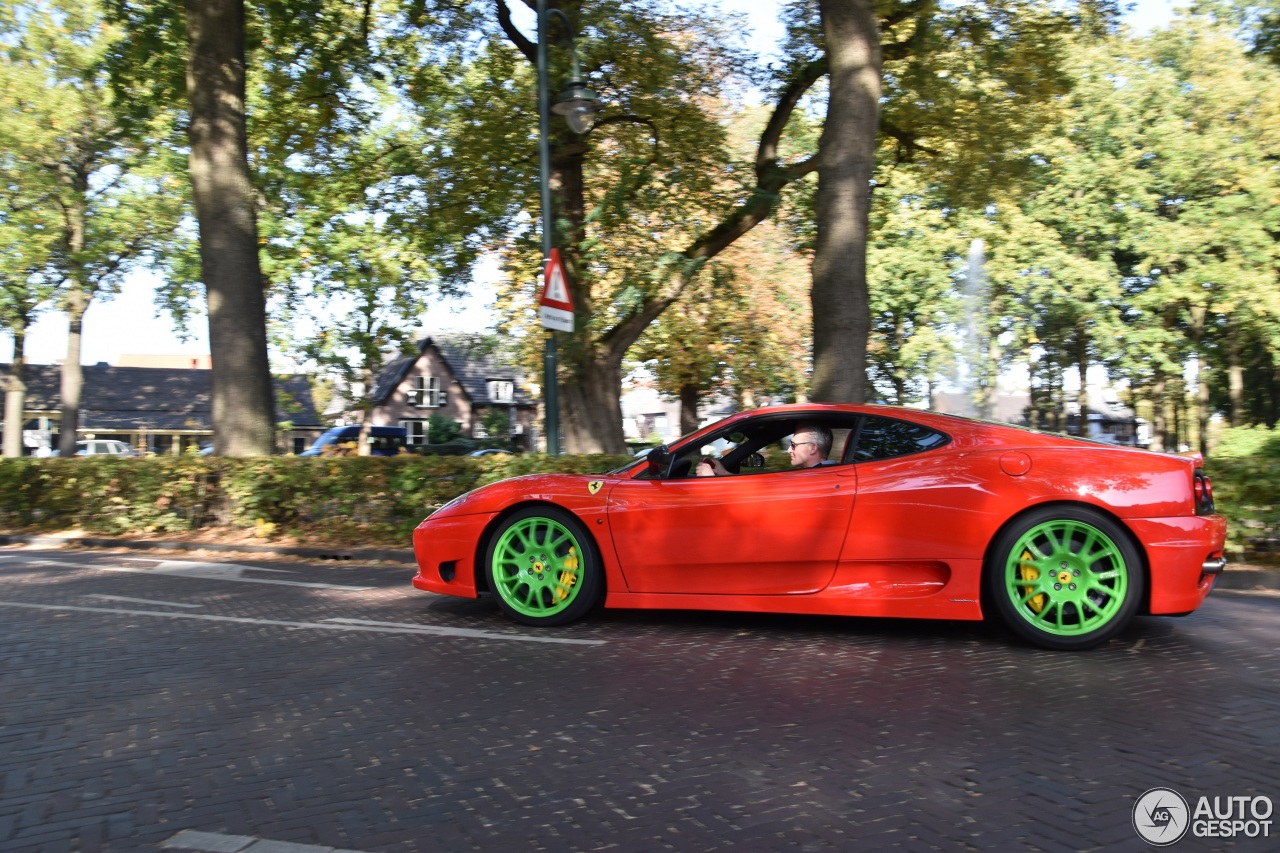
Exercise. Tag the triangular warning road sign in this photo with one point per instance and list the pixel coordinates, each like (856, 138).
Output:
(555, 285)
(555, 306)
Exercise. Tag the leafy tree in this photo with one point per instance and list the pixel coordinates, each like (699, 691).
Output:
(25, 284)
(643, 200)
(1209, 254)
(496, 423)
(743, 330)
(107, 192)
(303, 59)
(371, 288)
(441, 429)
(914, 301)
(935, 80)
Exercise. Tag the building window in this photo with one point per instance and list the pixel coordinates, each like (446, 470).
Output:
(426, 394)
(501, 391)
(415, 432)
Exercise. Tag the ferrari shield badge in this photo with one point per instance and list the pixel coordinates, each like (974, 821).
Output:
(594, 486)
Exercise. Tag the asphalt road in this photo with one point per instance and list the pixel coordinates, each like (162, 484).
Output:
(150, 703)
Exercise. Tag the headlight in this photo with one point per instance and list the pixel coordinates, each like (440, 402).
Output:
(459, 500)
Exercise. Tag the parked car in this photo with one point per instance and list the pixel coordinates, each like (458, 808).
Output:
(383, 440)
(491, 451)
(103, 447)
(914, 514)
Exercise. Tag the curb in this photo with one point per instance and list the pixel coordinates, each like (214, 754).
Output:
(1233, 578)
(339, 554)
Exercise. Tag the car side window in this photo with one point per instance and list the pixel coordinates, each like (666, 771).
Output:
(884, 438)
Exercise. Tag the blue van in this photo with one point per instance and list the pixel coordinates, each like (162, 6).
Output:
(383, 440)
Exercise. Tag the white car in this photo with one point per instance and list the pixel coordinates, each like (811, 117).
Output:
(103, 447)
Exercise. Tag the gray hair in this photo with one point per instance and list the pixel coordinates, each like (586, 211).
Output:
(821, 437)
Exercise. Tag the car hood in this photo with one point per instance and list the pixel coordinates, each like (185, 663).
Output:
(562, 489)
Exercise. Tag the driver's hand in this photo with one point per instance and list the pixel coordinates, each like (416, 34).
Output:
(709, 467)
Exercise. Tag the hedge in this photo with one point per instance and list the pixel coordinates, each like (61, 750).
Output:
(378, 500)
(328, 500)
(1244, 464)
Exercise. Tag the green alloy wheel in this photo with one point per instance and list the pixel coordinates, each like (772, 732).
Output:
(543, 567)
(1065, 578)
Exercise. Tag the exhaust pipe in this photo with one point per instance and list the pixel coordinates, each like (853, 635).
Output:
(1214, 565)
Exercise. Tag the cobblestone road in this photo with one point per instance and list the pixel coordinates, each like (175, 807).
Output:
(147, 701)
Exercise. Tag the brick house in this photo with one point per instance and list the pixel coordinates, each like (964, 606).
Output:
(455, 380)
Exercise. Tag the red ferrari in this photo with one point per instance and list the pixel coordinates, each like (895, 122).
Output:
(908, 514)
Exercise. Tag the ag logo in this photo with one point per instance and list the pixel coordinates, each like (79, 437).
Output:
(1161, 816)
(594, 486)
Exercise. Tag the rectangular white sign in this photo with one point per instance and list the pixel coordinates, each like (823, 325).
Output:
(556, 319)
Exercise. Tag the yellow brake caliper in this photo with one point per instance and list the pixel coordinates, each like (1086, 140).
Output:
(1027, 571)
(568, 575)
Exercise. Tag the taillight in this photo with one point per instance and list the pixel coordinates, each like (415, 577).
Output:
(1203, 494)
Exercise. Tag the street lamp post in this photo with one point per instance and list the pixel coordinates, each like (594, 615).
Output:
(577, 104)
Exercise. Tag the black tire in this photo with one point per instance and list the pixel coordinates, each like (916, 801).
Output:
(543, 567)
(1065, 578)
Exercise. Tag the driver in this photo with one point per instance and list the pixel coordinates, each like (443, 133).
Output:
(809, 447)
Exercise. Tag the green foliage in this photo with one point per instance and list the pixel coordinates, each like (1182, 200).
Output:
(743, 328)
(916, 249)
(98, 196)
(496, 423)
(1257, 442)
(368, 500)
(1246, 486)
(110, 495)
(441, 428)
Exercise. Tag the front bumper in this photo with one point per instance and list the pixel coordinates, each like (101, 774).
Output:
(445, 549)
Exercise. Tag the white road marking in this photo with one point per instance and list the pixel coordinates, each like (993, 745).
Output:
(205, 571)
(1262, 591)
(223, 572)
(218, 842)
(141, 600)
(352, 625)
(453, 632)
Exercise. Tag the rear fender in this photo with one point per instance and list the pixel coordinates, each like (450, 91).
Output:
(988, 556)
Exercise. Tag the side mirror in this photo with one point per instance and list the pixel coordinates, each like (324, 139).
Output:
(755, 460)
(659, 462)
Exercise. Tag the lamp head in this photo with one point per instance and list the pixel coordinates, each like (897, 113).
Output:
(577, 104)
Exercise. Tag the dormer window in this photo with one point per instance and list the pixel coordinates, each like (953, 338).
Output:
(501, 391)
(425, 393)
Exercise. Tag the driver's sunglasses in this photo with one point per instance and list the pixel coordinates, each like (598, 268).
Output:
(792, 445)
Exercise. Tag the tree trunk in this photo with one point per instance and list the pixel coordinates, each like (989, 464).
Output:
(846, 162)
(591, 416)
(75, 303)
(988, 379)
(1160, 414)
(689, 393)
(1082, 364)
(1198, 314)
(1273, 398)
(1035, 395)
(242, 402)
(1202, 408)
(1235, 375)
(899, 374)
(15, 394)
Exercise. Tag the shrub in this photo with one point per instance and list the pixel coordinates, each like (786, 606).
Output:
(331, 500)
(1246, 486)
